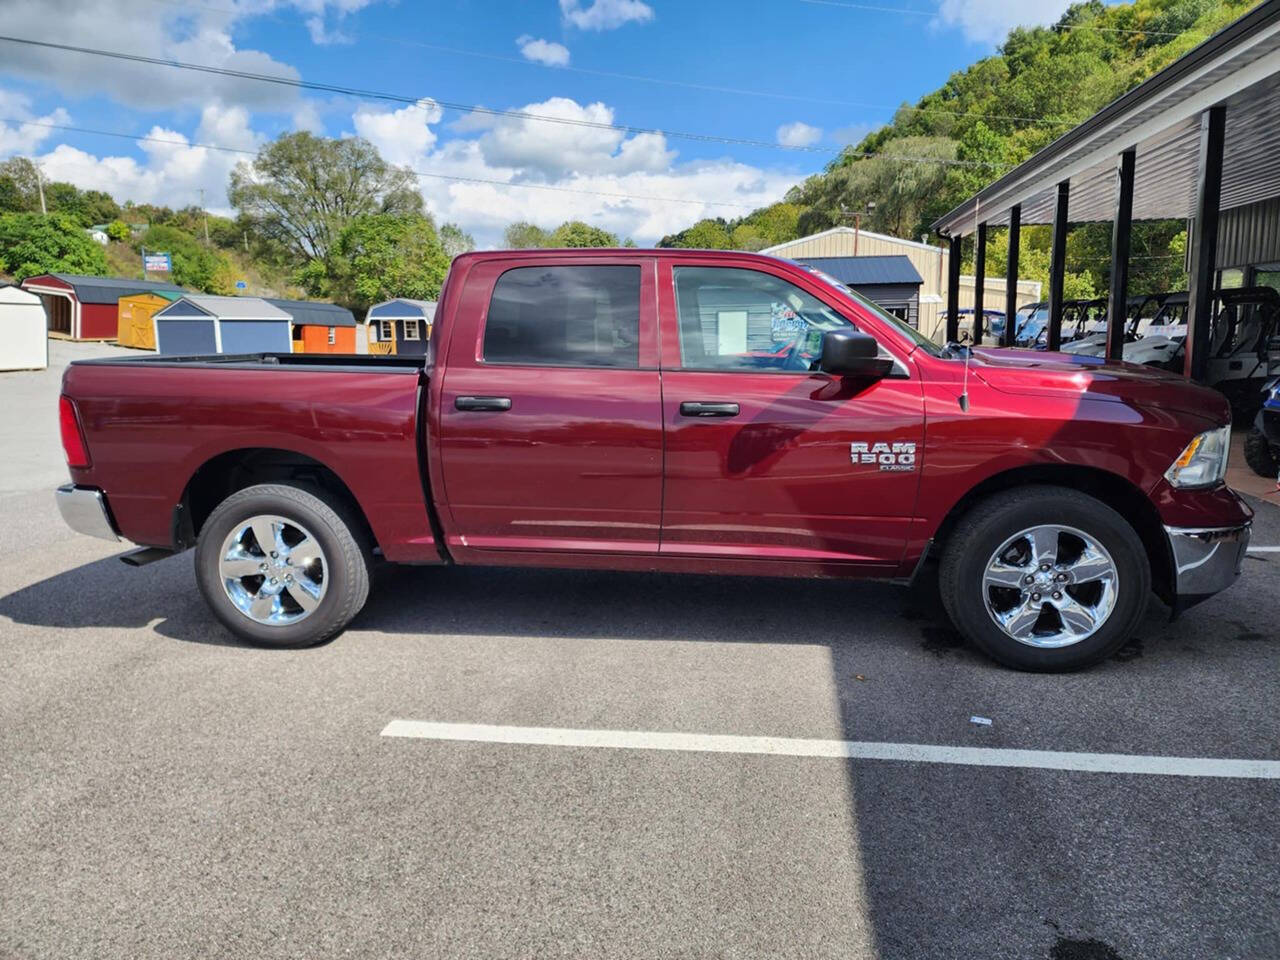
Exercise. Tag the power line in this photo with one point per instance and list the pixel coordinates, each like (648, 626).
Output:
(474, 108)
(141, 138)
(641, 78)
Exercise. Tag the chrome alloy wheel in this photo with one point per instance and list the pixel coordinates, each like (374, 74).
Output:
(273, 570)
(1050, 586)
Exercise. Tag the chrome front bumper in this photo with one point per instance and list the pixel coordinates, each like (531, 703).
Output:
(1206, 560)
(84, 510)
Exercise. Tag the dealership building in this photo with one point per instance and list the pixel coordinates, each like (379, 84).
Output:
(1199, 141)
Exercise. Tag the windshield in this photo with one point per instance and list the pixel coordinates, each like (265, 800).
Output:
(908, 331)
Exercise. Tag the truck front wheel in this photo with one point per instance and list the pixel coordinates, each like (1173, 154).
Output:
(1045, 578)
(283, 566)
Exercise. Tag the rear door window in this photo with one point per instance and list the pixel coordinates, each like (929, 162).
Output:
(574, 316)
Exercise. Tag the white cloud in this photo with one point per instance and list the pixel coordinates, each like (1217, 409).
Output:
(402, 136)
(605, 14)
(798, 134)
(22, 138)
(173, 172)
(195, 34)
(543, 51)
(630, 185)
(989, 21)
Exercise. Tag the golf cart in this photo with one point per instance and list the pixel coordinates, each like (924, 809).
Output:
(1140, 313)
(992, 325)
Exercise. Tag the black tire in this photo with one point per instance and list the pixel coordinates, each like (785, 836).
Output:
(341, 537)
(1260, 455)
(990, 523)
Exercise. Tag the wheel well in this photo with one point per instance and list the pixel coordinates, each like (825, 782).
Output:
(234, 470)
(1113, 490)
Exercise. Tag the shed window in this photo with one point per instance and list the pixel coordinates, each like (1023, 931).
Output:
(411, 330)
(385, 332)
(333, 336)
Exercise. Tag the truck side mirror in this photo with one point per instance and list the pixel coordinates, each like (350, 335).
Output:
(850, 353)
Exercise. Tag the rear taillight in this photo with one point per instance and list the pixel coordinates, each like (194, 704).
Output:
(72, 436)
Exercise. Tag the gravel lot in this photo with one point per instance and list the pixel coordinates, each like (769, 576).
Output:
(169, 793)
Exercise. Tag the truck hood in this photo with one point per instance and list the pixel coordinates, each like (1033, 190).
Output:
(1033, 372)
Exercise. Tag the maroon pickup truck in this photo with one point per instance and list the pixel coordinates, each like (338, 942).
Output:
(681, 411)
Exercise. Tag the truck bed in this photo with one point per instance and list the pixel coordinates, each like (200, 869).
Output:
(307, 361)
(166, 435)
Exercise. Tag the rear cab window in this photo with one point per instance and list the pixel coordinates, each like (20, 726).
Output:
(572, 316)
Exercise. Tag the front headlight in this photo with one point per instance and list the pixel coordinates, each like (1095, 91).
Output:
(1203, 462)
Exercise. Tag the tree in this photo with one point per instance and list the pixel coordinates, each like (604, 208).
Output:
(703, 235)
(118, 231)
(302, 191)
(194, 264)
(523, 235)
(32, 244)
(19, 186)
(456, 240)
(575, 233)
(380, 256)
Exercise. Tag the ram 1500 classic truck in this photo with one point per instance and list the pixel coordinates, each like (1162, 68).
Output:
(681, 411)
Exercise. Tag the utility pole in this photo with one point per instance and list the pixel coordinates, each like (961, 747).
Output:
(40, 187)
(206, 217)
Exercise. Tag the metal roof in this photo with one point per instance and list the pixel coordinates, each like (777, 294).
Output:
(109, 289)
(1160, 119)
(226, 308)
(314, 312)
(402, 308)
(867, 271)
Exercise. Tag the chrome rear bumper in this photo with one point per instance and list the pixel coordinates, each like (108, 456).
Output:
(1206, 560)
(84, 510)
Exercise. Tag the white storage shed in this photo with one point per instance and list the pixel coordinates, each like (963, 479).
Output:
(24, 341)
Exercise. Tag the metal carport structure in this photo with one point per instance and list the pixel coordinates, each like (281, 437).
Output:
(1199, 140)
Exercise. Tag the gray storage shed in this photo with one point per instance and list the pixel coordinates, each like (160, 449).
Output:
(891, 282)
(198, 324)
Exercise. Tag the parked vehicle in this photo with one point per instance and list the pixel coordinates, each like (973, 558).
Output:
(1262, 442)
(670, 410)
(1140, 313)
(992, 325)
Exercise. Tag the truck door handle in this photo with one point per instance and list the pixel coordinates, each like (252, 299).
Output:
(704, 408)
(491, 404)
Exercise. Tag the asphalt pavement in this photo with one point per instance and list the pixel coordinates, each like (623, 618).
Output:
(167, 792)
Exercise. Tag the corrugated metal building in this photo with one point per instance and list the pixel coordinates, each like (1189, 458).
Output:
(929, 261)
(197, 325)
(86, 308)
(891, 282)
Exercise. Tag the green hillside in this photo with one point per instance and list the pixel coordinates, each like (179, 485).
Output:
(985, 120)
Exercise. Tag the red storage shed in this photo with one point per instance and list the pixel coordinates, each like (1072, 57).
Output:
(86, 308)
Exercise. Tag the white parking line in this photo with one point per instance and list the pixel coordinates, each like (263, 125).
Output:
(1264, 549)
(840, 749)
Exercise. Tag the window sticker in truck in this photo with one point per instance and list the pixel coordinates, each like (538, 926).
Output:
(896, 457)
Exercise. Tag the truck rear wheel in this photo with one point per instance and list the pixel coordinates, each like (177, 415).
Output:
(1259, 454)
(283, 566)
(1045, 578)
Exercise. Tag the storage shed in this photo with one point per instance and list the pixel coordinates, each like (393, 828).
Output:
(196, 324)
(137, 327)
(87, 308)
(891, 282)
(319, 327)
(400, 326)
(23, 343)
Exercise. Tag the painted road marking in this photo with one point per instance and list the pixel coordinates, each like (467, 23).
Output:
(1264, 549)
(840, 749)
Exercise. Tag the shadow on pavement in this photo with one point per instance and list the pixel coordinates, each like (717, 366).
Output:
(958, 861)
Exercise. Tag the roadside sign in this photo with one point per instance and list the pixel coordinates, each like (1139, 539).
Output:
(241, 285)
(157, 263)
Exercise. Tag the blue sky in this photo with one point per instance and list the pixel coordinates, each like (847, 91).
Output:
(801, 77)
